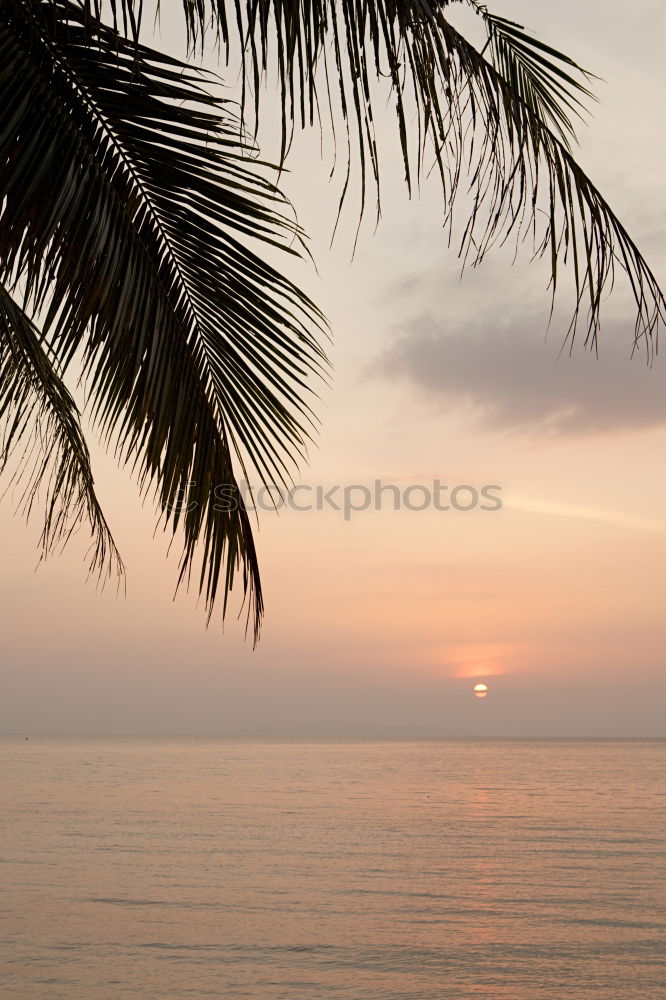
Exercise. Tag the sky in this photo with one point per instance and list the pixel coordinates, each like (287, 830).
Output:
(379, 624)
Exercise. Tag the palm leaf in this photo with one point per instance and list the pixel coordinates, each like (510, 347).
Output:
(548, 82)
(40, 424)
(514, 159)
(498, 131)
(129, 203)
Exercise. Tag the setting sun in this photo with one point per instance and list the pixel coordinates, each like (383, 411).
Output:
(480, 690)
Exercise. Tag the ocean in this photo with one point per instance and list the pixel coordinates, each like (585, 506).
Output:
(160, 869)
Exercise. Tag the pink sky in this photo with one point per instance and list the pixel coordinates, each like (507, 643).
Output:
(381, 625)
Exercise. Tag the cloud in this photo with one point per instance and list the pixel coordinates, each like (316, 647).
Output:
(596, 514)
(516, 379)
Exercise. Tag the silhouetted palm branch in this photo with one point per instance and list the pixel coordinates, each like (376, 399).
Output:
(496, 131)
(40, 424)
(128, 200)
(548, 82)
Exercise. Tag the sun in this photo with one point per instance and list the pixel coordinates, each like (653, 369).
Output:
(480, 690)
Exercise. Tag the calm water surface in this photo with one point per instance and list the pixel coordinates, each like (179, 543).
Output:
(377, 871)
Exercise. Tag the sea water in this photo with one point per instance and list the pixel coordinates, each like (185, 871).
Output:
(160, 869)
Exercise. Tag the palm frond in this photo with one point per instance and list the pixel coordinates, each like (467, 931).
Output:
(496, 132)
(41, 429)
(548, 82)
(519, 172)
(128, 201)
